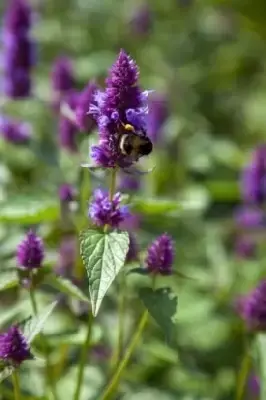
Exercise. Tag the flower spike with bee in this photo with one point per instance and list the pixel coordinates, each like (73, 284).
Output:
(120, 112)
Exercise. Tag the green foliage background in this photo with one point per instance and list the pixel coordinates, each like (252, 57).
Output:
(209, 58)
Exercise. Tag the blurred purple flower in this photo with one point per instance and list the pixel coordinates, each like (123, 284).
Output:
(67, 129)
(253, 309)
(160, 255)
(253, 387)
(62, 79)
(30, 252)
(103, 211)
(253, 182)
(67, 256)
(247, 217)
(141, 21)
(19, 49)
(15, 132)
(66, 193)
(85, 121)
(245, 247)
(121, 103)
(158, 113)
(14, 348)
(128, 183)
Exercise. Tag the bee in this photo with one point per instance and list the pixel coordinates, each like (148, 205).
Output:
(134, 144)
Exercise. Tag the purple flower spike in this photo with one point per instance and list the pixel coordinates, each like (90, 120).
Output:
(253, 309)
(253, 183)
(158, 113)
(67, 193)
(19, 50)
(67, 129)
(30, 252)
(122, 103)
(85, 121)
(15, 132)
(103, 211)
(160, 255)
(14, 348)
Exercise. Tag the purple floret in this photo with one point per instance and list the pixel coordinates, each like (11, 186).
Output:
(160, 255)
(30, 252)
(104, 211)
(14, 348)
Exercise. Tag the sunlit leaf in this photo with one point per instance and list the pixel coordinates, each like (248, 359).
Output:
(103, 255)
(36, 324)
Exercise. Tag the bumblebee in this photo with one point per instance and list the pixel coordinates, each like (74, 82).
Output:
(134, 144)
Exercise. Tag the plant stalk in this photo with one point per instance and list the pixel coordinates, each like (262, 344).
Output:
(15, 379)
(83, 358)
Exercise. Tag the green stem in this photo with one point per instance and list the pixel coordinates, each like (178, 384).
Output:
(121, 313)
(83, 358)
(15, 379)
(112, 183)
(121, 367)
(243, 375)
(49, 372)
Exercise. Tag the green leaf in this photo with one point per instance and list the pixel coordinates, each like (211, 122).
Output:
(8, 281)
(75, 338)
(29, 210)
(6, 372)
(66, 286)
(261, 345)
(155, 206)
(103, 255)
(36, 324)
(162, 305)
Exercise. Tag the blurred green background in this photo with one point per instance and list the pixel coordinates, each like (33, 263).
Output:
(208, 58)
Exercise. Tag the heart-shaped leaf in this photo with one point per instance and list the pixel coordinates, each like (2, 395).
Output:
(162, 306)
(66, 286)
(103, 255)
(35, 325)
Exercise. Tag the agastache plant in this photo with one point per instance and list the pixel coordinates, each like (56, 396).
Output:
(110, 245)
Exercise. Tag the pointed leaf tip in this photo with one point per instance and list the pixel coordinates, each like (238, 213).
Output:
(103, 255)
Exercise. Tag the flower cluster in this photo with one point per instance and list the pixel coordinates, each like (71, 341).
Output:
(30, 252)
(252, 308)
(105, 211)
(121, 103)
(160, 256)
(15, 132)
(14, 348)
(19, 49)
